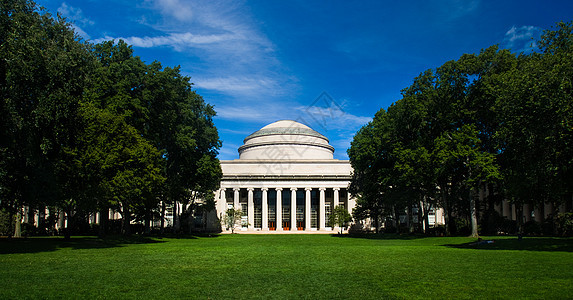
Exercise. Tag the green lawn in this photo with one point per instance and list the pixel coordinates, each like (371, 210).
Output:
(286, 266)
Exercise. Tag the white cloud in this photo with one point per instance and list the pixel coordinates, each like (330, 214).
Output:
(74, 14)
(244, 86)
(245, 114)
(331, 117)
(522, 39)
(181, 11)
(228, 52)
(179, 41)
(77, 18)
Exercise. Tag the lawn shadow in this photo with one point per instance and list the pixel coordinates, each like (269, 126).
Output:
(527, 244)
(192, 236)
(381, 236)
(46, 244)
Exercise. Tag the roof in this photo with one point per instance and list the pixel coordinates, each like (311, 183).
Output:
(285, 127)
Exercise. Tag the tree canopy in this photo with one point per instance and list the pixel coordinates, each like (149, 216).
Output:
(493, 120)
(89, 127)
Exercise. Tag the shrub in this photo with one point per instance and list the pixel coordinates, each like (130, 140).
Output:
(564, 224)
(6, 223)
(508, 226)
(531, 227)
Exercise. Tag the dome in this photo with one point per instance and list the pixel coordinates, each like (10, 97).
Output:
(286, 140)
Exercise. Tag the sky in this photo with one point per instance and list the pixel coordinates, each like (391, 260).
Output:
(328, 64)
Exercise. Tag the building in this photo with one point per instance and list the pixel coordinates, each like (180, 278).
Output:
(285, 179)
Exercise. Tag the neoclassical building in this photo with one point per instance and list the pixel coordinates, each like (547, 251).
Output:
(285, 179)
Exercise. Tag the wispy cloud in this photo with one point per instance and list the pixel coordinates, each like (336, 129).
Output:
(76, 16)
(175, 8)
(223, 43)
(522, 39)
(240, 85)
(246, 114)
(178, 41)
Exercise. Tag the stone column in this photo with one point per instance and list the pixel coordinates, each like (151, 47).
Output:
(335, 203)
(538, 214)
(307, 209)
(236, 198)
(526, 213)
(265, 210)
(222, 202)
(336, 198)
(293, 209)
(506, 209)
(279, 209)
(321, 212)
(250, 209)
(350, 201)
(549, 209)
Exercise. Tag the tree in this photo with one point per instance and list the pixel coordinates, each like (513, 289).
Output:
(232, 218)
(339, 217)
(122, 169)
(161, 105)
(44, 68)
(459, 151)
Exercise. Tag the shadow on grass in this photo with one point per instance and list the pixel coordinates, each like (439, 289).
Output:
(187, 236)
(46, 244)
(527, 244)
(381, 236)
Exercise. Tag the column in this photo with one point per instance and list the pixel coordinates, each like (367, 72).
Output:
(538, 213)
(222, 201)
(335, 203)
(307, 209)
(526, 213)
(279, 209)
(293, 209)
(549, 209)
(321, 212)
(351, 202)
(236, 198)
(336, 197)
(265, 210)
(250, 209)
(506, 209)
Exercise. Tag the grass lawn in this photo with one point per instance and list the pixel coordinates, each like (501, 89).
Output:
(286, 266)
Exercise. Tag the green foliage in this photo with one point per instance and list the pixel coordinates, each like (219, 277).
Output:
(232, 218)
(564, 223)
(491, 118)
(88, 127)
(339, 217)
(6, 223)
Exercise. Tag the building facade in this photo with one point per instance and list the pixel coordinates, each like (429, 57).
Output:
(285, 180)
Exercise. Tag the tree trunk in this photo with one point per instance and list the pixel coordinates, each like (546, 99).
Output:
(69, 225)
(18, 225)
(103, 218)
(162, 220)
(473, 214)
(395, 219)
(409, 222)
(126, 221)
(447, 215)
(377, 223)
(147, 229)
(175, 218)
(41, 219)
(519, 216)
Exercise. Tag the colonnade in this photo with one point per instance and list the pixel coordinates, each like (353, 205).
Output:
(284, 208)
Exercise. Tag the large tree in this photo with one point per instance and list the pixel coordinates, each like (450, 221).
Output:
(162, 106)
(44, 67)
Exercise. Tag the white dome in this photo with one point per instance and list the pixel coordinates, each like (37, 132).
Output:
(286, 140)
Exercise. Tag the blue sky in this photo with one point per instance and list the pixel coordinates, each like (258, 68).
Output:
(329, 64)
